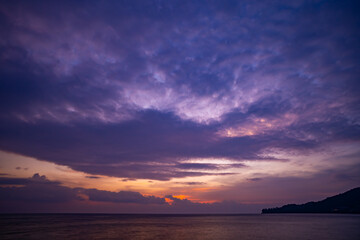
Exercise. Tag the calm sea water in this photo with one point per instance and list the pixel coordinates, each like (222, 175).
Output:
(242, 227)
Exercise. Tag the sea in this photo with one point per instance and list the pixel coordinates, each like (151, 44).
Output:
(167, 226)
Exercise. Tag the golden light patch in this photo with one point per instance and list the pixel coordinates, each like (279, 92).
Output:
(169, 201)
(182, 197)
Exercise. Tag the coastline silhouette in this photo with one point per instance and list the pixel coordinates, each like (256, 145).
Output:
(348, 202)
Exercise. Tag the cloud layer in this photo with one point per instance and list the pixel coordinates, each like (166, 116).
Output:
(139, 89)
(26, 195)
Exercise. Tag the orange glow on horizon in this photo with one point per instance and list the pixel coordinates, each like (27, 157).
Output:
(169, 201)
(182, 197)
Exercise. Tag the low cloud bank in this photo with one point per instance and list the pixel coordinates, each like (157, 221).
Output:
(38, 194)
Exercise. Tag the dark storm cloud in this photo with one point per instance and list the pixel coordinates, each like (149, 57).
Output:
(35, 179)
(35, 189)
(133, 88)
(130, 149)
(9, 181)
(121, 197)
(40, 189)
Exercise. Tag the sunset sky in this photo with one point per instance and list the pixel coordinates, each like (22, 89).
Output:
(177, 106)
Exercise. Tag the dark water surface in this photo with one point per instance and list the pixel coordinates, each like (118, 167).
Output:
(242, 227)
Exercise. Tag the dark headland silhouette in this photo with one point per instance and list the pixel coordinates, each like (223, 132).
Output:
(348, 202)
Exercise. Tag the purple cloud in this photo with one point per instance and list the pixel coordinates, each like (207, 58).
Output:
(121, 197)
(51, 195)
(135, 89)
(35, 189)
(40, 189)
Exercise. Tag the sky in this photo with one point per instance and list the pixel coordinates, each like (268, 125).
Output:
(177, 106)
